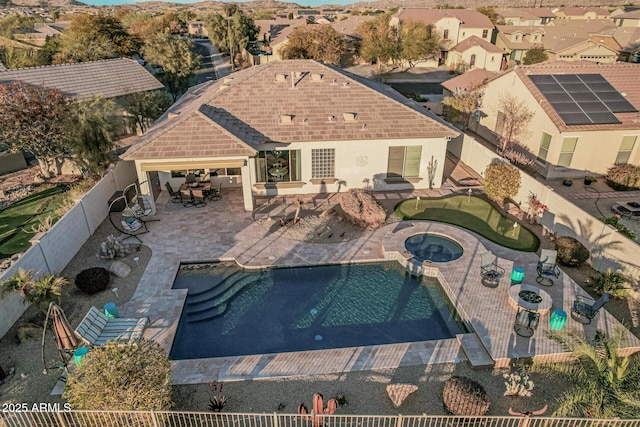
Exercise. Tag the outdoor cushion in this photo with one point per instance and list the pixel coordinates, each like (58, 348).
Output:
(96, 329)
(131, 226)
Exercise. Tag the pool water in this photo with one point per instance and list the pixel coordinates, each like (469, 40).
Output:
(231, 312)
(433, 248)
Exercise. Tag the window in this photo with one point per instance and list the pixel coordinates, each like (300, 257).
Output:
(472, 61)
(628, 142)
(566, 154)
(445, 35)
(404, 162)
(545, 143)
(323, 163)
(278, 166)
(182, 174)
(485, 33)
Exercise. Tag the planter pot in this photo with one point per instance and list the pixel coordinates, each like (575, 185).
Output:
(568, 182)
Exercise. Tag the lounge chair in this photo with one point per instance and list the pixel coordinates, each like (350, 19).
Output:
(585, 308)
(547, 267)
(96, 329)
(490, 270)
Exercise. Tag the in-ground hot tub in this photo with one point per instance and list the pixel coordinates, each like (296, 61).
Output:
(433, 247)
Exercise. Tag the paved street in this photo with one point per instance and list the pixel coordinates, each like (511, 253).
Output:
(213, 63)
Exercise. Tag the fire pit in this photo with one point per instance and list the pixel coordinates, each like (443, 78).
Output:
(530, 297)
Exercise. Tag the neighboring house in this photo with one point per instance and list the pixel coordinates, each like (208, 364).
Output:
(629, 40)
(292, 127)
(453, 25)
(516, 40)
(41, 32)
(276, 33)
(476, 53)
(585, 115)
(577, 13)
(197, 29)
(525, 16)
(628, 19)
(469, 80)
(574, 49)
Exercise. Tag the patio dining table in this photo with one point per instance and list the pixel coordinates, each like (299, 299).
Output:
(630, 209)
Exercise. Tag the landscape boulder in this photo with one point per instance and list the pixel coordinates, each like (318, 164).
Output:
(399, 392)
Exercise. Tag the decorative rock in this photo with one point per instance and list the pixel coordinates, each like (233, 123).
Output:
(120, 269)
(363, 209)
(399, 392)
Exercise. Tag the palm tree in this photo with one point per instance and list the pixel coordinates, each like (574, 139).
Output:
(605, 384)
(39, 292)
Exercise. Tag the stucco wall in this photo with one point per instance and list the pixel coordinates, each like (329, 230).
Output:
(10, 162)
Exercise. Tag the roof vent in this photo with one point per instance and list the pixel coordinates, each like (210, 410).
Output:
(364, 126)
(286, 119)
(223, 87)
(349, 117)
(304, 121)
(316, 77)
(334, 82)
(228, 80)
(281, 78)
(172, 115)
(330, 118)
(345, 84)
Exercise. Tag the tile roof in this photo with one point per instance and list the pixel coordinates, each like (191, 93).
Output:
(628, 38)
(469, 18)
(348, 26)
(108, 78)
(634, 14)
(469, 80)
(472, 41)
(246, 109)
(2, 67)
(622, 76)
(525, 13)
(581, 11)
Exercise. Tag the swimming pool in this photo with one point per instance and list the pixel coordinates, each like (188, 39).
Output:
(232, 312)
(433, 247)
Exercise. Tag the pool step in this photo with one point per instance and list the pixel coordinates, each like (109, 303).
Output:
(210, 313)
(217, 290)
(215, 285)
(223, 298)
(475, 351)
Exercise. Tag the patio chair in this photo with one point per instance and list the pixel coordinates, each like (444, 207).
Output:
(96, 329)
(133, 202)
(547, 267)
(585, 308)
(526, 322)
(215, 194)
(126, 225)
(190, 178)
(196, 198)
(490, 270)
(175, 196)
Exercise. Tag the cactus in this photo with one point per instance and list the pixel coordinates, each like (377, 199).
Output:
(518, 384)
(217, 403)
(318, 408)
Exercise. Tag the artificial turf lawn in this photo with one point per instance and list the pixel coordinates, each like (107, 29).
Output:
(16, 220)
(474, 214)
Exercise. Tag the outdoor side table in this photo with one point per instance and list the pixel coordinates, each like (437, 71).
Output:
(517, 276)
(558, 319)
(111, 310)
(79, 354)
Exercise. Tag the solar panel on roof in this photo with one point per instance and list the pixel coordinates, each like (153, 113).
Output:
(581, 99)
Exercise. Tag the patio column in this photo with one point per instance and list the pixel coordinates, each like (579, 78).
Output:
(247, 194)
(145, 188)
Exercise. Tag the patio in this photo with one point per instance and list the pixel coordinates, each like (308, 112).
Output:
(222, 230)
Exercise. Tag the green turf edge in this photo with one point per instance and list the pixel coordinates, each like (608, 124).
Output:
(402, 216)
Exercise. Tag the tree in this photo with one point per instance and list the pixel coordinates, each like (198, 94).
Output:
(231, 30)
(490, 12)
(145, 107)
(418, 42)
(319, 42)
(605, 385)
(122, 378)
(35, 119)
(176, 56)
(94, 37)
(94, 133)
(379, 40)
(501, 181)
(535, 55)
(514, 117)
(39, 292)
(463, 103)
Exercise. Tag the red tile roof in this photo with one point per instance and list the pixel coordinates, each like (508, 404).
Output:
(469, 18)
(244, 110)
(472, 41)
(469, 80)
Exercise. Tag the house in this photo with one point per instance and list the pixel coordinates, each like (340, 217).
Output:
(575, 49)
(585, 115)
(197, 29)
(525, 16)
(292, 127)
(453, 25)
(581, 13)
(475, 52)
(272, 36)
(628, 38)
(628, 19)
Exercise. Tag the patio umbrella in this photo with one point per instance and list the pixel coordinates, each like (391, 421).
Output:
(65, 338)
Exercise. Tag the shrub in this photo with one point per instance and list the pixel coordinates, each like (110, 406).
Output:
(39, 292)
(614, 221)
(571, 252)
(463, 396)
(122, 378)
(363, 209)
(517, 384)
(501, 181)
(93, 280)
(611, 282)
(624, 177)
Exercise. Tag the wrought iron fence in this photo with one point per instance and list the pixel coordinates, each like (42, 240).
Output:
(209, 419)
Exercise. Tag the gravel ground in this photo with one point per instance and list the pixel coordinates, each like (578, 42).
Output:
(365, 391)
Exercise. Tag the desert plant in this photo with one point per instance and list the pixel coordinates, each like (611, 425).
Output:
(93, 280)
(123, 378)
(610, 282)
(39, 292)
(588, 180)
(571, 252)
(501, 181)
(432, 167)
(624, 177)
(518, 157)
(518, 384)
(217, 403)
(614, 221)
(363, 209)
(463, 396)
(299, 204)
(44, 225)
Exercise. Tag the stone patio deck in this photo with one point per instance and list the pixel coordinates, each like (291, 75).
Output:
(223, 231)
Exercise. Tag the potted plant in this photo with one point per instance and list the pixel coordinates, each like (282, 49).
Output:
(588, 180)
